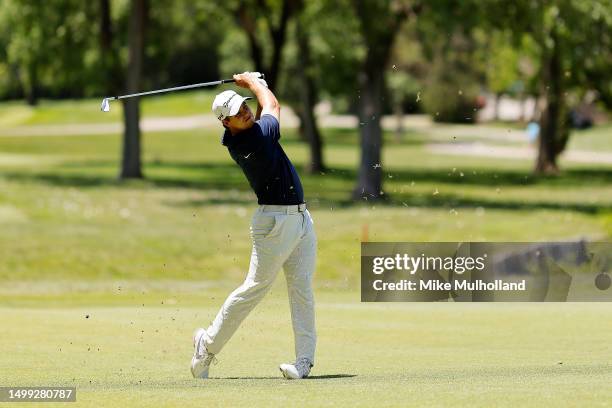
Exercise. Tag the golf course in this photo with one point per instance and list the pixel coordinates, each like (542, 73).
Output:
(103, 281)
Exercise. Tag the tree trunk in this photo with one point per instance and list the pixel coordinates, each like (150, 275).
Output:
(546, 162)
(496, 104)
(111, 68)
(297, 109)
(106, 30)
(523, 101)
(248, 23)
(553, 126)
(369, 181)
(31, 87)
(308, 96)
(28, 60)
(130, 165)
(399, 118)
(379, 26)
(278, 40)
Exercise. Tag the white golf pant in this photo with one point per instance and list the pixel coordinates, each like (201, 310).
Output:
(283, 236)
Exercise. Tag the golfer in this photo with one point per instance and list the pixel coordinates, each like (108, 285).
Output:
(281, 228)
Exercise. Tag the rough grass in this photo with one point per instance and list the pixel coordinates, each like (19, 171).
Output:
(594, 139)
(48, 112)
(65, 215)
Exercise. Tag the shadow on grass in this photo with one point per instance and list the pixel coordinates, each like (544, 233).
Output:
(330, 376)
(488, 177)
(243, 378)
(349, 137)
(227, 185)
(478, 177)
(229, 171)
(311, 377)
(441, 201)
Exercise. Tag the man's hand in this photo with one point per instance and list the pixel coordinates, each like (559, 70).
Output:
(249, 79)
(265, 98)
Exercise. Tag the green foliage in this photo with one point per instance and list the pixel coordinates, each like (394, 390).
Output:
(582, 29)
(9, 84)
(182, 42)
(401, 86)
(336, 45)
(573, 39)
(452, 85)
(408, 70)
(234, 53)
(47, 45)
(450, 43)
(502, 66)
(447, 99)
(52, 48)
(335, 53)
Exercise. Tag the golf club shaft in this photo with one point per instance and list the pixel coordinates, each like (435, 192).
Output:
(176, 88)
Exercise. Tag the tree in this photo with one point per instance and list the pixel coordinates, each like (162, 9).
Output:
(453, 81)
(183, 43)
(309, 98)
(379, 24)
(47, 45)
(25, 48)
(130, 163)
(405, 78)
(299, 85)
(573, 39)
(502, 69)
(112, 73)
(323, 48)
(572, 36)
(249, 15)
(447, 32)
(301, 89)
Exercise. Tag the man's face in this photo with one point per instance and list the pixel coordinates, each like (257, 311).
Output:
(244, 119)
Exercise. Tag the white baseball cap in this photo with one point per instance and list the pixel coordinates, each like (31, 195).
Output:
(227, 103)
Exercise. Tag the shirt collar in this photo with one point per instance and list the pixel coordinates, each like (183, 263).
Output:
(226, 138)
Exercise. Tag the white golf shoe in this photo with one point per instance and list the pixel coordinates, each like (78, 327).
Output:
(300, 369)
(200, 363)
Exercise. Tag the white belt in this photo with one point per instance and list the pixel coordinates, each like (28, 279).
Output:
(285, 209)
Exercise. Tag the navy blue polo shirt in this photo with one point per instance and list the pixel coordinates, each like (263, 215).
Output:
(264, 162)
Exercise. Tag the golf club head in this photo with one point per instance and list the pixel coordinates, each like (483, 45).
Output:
(105, 105)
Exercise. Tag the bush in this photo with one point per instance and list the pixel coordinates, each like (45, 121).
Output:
(451, 95)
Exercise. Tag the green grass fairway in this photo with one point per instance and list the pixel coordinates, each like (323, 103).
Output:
(135, 351)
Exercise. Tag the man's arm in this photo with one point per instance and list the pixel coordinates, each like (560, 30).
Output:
(265, 98)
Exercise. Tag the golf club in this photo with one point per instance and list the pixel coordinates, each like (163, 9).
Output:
(105, 107)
